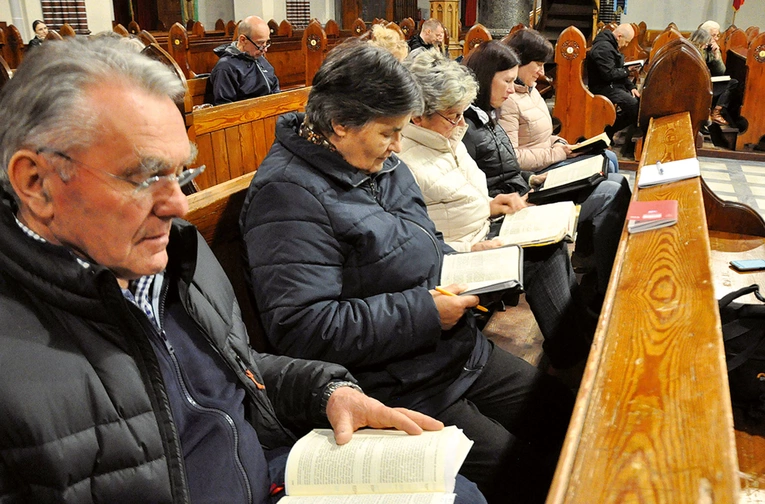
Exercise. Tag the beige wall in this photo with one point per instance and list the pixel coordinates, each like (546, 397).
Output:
(689, 15)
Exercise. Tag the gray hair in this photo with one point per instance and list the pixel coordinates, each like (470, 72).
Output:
(45, 103)
(445, 83)
(700, 38)
(358, 83)
(708, 26)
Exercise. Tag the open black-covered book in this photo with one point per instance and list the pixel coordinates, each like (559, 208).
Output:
(594, 144)
(566, 181)
(492, 270)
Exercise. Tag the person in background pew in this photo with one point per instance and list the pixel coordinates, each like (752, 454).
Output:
(388, 39)
(458, 202)
(41, 31)
(604, 207)
(607, 76)
(525, 116)
(243, 71)
(724, 94)
(125, 371)
(346, 272)
(431, 35)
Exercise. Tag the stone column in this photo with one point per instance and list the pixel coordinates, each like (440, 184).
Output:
(498, 16)
(448, 12)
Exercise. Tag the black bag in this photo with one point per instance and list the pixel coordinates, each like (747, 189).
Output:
(743, 327)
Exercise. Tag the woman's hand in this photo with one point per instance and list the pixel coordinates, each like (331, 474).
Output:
(507, 203)
(486, 245)
(452, 308)
(537, 180)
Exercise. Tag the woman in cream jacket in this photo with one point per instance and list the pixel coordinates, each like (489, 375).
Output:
(458, 202)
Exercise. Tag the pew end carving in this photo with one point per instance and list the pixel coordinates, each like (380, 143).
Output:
(476, 35)
(582, 113)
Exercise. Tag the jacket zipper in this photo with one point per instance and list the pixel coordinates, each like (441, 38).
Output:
(190, 399)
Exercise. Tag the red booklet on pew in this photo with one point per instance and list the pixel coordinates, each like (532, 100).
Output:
(647, 215)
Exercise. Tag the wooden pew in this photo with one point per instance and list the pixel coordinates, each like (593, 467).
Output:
(581, 113)
(120, 30)
(677, 62)
(732, 38)
(315, 49)
(407, 26)
(751, 33)
(234, 138)
(653, 420)
(5, 73)
(475, 36)
(215, 212)
(754, 92)
(12, 47)
(666, 36)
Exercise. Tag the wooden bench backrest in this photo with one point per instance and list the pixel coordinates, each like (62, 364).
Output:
(120, 30)
(178, 48)
(233, 139)
(752, 32)
(663, 39)
(315, 47)
(215, 212)
(475, 36)
(5, 73)
(220, 25)
(679, 63)
(66, 30)
(407, 26)
(13, 48)
(133, 28)
(231, 29)
(53, 35)
(332, 29)
(147, 38)
(653, 419)
(642, 28)
(754, 94)
(273, 28)
(285, 29)
(581, 113)
(359, 27)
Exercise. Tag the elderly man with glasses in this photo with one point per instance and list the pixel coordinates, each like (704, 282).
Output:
(125, 370)
(243, 71)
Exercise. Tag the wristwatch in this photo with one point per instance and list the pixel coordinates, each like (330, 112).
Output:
(330, 388)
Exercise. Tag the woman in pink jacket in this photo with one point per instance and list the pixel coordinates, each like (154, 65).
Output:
(525, 116)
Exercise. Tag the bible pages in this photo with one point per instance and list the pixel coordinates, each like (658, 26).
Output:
(540, 225)
(485, 271)
(376, 467)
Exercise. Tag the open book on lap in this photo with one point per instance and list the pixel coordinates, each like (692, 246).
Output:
(376, 466)
(566, 181)
(492, 270)
(594, 144)
(540, 225)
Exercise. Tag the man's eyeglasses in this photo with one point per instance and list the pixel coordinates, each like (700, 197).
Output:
(453, 122)
(145, 187)
(260, 48)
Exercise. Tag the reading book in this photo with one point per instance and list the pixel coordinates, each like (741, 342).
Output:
(565, 181)
(646, 215)
(671, 171)
(376, 466)
(486, 270)
(540, 225)
(633, 63)
(596, 143)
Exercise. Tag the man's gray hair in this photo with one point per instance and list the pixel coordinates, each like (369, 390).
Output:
(708, 26)
(358, 83)
(445, 83)
(45, 103)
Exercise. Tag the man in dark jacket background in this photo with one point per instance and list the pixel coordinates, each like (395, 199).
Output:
(243, 71)
(125, 372)
(431, 34)
(607, 75)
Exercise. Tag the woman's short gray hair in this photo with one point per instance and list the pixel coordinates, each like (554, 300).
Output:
(445, 83)
(358, 83)
(45, 103)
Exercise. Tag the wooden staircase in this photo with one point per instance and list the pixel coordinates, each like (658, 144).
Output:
(557, 15)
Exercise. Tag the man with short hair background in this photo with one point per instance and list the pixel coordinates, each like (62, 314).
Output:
(243, 71)
(125, 370)
(607, 75)
(431, 35)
